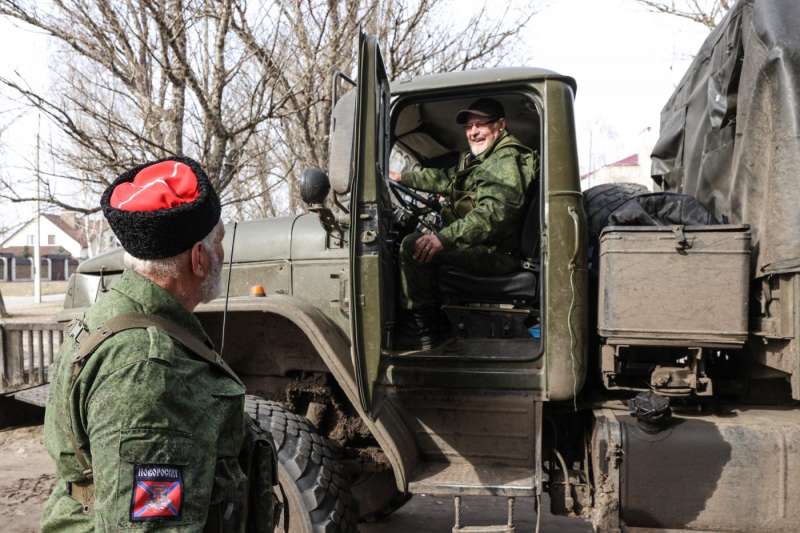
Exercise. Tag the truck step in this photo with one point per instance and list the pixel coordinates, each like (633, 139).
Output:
(485, 529)
(508, 527)
(463, 479)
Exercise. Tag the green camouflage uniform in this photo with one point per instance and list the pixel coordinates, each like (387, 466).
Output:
(143, 399)
(487, 195)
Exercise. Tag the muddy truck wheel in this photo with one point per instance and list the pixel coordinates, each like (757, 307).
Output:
(313, 487)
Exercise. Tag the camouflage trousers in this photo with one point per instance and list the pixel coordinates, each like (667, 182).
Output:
(419, 281)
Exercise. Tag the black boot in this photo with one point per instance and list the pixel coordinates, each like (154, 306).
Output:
(418, 330)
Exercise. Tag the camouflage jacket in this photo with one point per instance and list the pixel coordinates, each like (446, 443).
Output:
(486, 195)
(162, 428)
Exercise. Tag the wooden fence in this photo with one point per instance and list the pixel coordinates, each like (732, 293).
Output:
(26, 353)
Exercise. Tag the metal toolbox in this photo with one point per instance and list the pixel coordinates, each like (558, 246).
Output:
(674, 285)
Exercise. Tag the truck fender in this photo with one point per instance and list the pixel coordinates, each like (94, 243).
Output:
(333, 347)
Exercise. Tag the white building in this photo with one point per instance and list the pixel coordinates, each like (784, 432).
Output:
(62, 245)
(54, 230)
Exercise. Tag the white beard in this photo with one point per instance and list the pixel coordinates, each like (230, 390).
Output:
(210, 288)
(475, 151)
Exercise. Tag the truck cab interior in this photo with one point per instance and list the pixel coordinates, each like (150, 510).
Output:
(499, 314)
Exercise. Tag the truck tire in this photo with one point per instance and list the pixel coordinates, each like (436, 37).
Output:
(316, 493)
(602, 200)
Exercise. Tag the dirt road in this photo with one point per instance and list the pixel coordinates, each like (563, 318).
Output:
(26, 478)
(17, 289)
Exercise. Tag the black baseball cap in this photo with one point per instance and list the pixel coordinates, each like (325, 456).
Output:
(487, 108)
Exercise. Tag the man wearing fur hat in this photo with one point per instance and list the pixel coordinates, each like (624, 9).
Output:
(144, 421)
(486, 193)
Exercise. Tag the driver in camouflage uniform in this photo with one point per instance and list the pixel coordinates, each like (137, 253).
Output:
(487, 193)
(145, 431)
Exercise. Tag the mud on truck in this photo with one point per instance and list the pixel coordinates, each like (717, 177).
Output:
(642, 366)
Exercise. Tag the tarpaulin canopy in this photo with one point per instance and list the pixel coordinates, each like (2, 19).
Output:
(730, 133)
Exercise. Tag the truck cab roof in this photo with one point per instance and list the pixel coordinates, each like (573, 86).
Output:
(467, 78)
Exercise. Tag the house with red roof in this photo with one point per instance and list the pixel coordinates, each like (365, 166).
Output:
(64, 240)
(626, 170)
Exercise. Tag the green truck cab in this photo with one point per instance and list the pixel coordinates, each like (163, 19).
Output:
(539, 110)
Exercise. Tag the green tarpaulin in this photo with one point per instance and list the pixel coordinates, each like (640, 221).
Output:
(730, 133)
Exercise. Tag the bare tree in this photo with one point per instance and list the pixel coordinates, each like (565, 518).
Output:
(144, 79)
(244, 87)
(706, 12)
(416, 37)
(96, 232)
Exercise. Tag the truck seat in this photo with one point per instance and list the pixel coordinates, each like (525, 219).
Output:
(459, 286)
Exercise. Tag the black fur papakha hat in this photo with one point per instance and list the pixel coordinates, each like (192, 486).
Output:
(161, 208)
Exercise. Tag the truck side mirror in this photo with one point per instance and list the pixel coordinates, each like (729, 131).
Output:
(314, 186)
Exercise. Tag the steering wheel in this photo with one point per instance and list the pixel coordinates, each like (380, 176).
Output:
(431, 203)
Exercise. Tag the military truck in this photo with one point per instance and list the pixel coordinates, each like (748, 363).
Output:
(644, 374)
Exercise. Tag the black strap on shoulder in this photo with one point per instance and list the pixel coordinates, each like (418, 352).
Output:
(87, 345)
(128, 321)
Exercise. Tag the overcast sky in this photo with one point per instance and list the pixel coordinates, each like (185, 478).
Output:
(625, 59)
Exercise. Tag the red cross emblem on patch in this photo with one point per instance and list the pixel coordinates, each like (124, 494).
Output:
(157, 493)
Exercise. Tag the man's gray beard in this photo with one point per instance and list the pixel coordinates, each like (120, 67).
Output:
(210, 287)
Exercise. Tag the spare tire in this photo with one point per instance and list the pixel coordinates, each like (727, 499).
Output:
(599, 202)
(602, 200)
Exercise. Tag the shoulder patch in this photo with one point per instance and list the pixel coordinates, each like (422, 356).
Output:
(157, 492)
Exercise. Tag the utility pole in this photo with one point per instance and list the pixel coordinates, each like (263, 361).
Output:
(37, 256)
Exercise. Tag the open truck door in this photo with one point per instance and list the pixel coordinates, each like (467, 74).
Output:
(372, 291)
